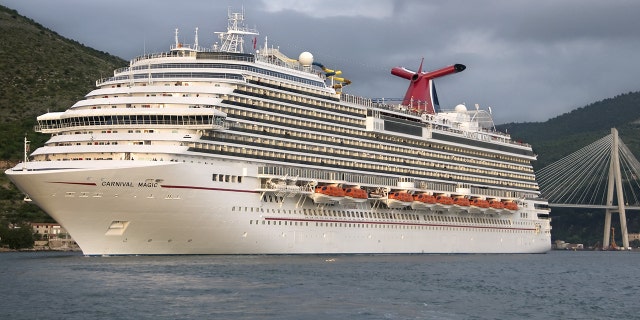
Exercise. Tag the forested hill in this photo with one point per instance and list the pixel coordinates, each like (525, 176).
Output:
(560, 136)
(41, 71)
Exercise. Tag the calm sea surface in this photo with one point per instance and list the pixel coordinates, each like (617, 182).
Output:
(557, 285)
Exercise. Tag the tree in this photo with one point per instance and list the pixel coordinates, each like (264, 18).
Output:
(19, 237)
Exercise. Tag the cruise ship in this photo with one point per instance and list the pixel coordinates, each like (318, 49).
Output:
(236, 148)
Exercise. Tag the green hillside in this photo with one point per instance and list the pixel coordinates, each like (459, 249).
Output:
(41, 71)
(564, 134)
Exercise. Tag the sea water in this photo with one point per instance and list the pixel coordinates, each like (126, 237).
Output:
(556, 285)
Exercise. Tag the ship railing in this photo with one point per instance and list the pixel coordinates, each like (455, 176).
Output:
(121, 70)
(155, 56)
(187, 123)
(275, 57)
(172, 77)
(102, 81)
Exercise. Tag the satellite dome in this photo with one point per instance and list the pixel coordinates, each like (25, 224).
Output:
(306, 58)
(461, 108)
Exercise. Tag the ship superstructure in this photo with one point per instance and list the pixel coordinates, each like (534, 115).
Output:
(218, 151)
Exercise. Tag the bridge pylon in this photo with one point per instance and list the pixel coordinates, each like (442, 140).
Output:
(615, 183)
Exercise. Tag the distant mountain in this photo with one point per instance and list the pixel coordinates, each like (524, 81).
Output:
(564, 134)
(41, 71)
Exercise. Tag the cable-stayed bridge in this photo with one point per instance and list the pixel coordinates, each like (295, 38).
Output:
(602, 175)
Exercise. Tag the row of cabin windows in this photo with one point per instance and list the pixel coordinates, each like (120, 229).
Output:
(296, 111)
(354, 132)
(357, 165)
(350, 138)
(318, 91)
(385, 226)
(295, 100)
(351, 154)
(480, 175)
(381, 216)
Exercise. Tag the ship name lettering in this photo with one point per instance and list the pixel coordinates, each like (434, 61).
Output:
(117, 184)
(148, 185)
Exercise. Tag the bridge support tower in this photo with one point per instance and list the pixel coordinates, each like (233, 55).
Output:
(615, 182)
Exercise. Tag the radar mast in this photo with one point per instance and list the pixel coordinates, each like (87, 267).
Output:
(233, 39)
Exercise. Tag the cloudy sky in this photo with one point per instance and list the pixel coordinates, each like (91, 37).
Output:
(527, 60)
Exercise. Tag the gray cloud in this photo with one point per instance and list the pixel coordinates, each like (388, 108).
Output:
(528, 60)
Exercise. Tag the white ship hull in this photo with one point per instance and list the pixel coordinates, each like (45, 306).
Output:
(146, 208)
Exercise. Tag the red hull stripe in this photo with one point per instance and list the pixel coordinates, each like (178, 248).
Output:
(203, 188)
(76, 183)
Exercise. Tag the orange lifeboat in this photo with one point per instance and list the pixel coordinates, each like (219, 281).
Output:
(322, 190)
(401, 196)
(444, 200)
(422, 201)
(419, 197)
(496, 204)
(355, 193)
(461, 201)
(398, 199)
(480, 203)
(338, 192)
(426, 198)
(511, 205)
(331, 191)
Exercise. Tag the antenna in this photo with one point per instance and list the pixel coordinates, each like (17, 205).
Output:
(196, 41)
(176, 37)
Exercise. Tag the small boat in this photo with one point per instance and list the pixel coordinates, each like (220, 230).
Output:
(496, 204)
(460, 204)
(423, 201)
(327, 194)
(398, 199)
(443, 202)
(510, 205)
(478, 205)
(354, 194)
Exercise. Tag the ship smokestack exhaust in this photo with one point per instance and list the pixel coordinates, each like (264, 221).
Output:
(421, 94)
